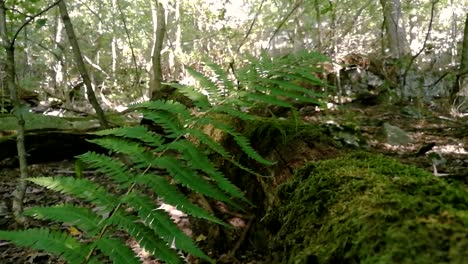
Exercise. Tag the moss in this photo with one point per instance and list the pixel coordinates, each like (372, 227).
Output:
(365, 208)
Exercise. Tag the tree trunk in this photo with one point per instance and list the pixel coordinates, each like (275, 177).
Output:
(18, 194)
(396, 32)
(80, 64)
(178, 52)
(463, 70)
(318, 17)
(156, 80)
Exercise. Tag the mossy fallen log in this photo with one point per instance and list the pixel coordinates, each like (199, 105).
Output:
(366, 208)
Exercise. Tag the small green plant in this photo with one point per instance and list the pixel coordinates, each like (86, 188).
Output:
(150, 165)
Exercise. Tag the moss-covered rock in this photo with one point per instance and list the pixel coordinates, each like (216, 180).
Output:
(365, 208)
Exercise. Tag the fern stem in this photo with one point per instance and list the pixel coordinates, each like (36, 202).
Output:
(112, 213)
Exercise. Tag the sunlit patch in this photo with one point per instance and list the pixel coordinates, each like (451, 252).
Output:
(402, 148)
(451, 149)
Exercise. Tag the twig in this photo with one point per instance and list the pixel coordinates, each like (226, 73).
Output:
(429, 29)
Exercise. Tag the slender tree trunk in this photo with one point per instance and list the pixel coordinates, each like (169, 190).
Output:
(59, 77)
(453, 33)
(18, 194)
(178, 42)
(463, 70)
(318, 17)
(396, 32)
(156, 82)
(80, 64)
(130, 44)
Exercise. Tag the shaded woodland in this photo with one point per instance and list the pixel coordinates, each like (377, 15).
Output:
(253, 131)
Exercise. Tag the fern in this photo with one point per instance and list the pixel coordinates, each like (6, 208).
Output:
(117, 251)
(145, 237)
(83, 218)
(210, 87)
(161, 223)
(55, 242)
(149, 166)
(171, 195)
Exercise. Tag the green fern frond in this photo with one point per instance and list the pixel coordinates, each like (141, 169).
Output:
(296, 97)
(117, 251)
(134, 150)
(110, 167)
(161, 223)
(145, 237)
(189, 178)
(83, 218)
(208, 141)
(268, 99)
(136, 132)
(197, 160)
(288, 86)
(199, 99)
(168, 121)
(81, 188)
(232, 111)
(208, 85)
(58, 243)
(221, 75)
(308, 74)
(168, 106)
(171, 195)
(241, 140)
(217, 148)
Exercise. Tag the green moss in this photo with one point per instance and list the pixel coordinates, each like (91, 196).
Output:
(365, 208)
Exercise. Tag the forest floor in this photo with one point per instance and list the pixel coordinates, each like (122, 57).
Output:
(423, 127)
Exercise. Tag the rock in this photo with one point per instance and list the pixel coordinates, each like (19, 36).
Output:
(395, 135)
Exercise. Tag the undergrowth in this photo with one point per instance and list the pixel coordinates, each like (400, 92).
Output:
(145, 165)
(366, 208)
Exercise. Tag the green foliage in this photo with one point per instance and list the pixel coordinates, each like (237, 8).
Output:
(144, 165)
(370, 209)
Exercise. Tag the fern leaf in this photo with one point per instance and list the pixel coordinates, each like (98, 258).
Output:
(134, 150)
(83, 218)
(217, 148)
(295, 88)
(145, 237)
(208, 141)
(230, 110)
(268, 99)
(197, 160)
(293, 96)
(199, 99)
(308, 75)
(54, 242)
(136, 132)
(173, 196)
(221, 74)
(168, 121)
(189, 178)
(209, 86)
(112, 168)
(242, 141)
(161, 223)
(81, 188)
(168, 106)
(117, 251)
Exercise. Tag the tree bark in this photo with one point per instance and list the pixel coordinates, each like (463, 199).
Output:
(156, 81)
(18, 194)
(396, 32)
(80, 64)
(318, 17)
(463, 70)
